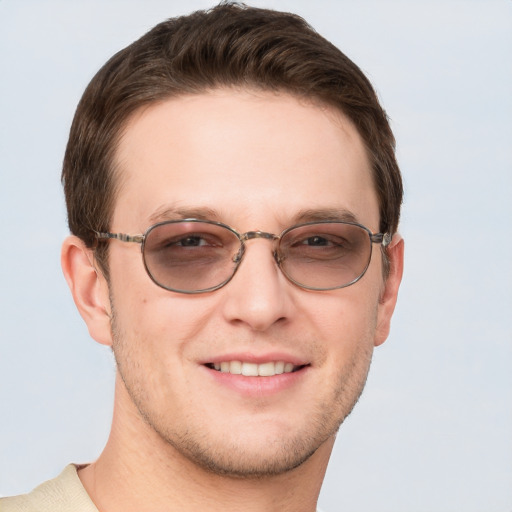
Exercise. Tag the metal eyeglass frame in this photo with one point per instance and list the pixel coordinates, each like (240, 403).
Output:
(375, 238)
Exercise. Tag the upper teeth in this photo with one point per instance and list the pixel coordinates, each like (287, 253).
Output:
(253, 369)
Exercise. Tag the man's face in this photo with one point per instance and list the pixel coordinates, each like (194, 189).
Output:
(255, 161)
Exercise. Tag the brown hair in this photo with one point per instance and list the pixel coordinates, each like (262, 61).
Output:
(229, 45)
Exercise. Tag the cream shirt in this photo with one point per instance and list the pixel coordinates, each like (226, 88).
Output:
(62, 494)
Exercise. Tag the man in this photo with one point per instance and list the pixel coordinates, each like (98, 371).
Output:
(233, 198)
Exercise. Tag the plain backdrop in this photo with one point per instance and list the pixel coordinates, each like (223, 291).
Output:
(433, 430)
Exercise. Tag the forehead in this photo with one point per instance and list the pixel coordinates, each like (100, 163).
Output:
(243, 156)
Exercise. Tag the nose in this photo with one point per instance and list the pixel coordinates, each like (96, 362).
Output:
(259, 295)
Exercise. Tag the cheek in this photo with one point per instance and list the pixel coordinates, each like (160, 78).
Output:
(156, 321)
(344, 322)
(148, 348)
(346, 313)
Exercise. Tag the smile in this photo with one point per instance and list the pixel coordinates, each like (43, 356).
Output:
(254, 369)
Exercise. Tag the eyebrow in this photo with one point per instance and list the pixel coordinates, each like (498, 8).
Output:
(176, 213)
(320, 214)
(204, 213)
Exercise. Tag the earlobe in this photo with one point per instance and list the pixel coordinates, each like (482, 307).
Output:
(389, 292)
(88, 287)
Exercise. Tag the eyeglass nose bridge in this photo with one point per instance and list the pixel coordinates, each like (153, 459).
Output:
(250, 235)
(258, 234)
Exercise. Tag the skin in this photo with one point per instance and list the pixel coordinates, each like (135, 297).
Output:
(182, 437)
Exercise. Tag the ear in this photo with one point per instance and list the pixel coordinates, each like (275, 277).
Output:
(88, 287)
(389, 294)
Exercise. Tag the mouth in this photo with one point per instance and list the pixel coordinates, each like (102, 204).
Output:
(248, 369)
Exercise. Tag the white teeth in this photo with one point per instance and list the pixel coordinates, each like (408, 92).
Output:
(266, 369)
(253, 369)
(235, 367)
(250, 369)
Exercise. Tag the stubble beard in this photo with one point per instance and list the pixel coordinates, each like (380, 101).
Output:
(223, 456)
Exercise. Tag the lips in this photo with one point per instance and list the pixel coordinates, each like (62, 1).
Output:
(250, 369)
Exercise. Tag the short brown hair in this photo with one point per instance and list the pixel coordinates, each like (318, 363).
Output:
(228, 45)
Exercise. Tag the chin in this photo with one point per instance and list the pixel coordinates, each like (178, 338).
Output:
(259, 449)
(246, 459)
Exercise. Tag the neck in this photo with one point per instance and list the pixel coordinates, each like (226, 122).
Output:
(139, 471)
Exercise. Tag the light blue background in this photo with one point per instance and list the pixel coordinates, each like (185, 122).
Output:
(433, 430)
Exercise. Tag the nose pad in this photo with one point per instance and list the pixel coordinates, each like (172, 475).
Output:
(237, 258)
(278, 257)
(257, 296)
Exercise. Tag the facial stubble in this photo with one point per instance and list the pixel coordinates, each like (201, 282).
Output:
(221, 455)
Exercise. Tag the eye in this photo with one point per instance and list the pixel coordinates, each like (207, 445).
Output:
(316, 241)
(316, 244)
(319, 240)
(191, 241)
(200, 240)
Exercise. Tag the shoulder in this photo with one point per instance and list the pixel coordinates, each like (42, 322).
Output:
(62, 494)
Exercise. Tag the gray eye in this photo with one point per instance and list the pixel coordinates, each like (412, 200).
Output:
(191, 241)
(316, 241)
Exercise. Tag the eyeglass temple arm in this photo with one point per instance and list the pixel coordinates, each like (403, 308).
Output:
(120, 236)
(381, 238)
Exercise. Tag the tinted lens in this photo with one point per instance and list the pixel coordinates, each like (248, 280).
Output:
(190, 256)
(325, 255)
